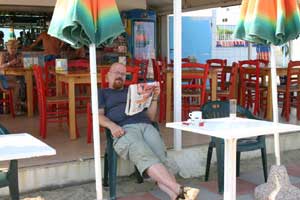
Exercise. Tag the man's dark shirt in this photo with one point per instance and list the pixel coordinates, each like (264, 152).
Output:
(114, 103)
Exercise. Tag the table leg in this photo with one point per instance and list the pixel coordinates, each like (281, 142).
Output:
(230, 169)
(72, 117)
(29, 93)
(169, 98)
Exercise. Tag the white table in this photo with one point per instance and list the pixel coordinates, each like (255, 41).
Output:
(231, 130)
(22, 145)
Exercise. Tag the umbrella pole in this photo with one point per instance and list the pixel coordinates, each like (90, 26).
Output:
(275, 104)
(96, 135)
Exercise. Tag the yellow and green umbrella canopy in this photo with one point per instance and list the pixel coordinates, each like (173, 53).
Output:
(83, 22)
(269, 21)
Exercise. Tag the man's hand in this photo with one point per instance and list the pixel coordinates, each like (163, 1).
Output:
(116, 131)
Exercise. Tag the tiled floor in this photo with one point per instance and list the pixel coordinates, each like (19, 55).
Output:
(68, 150)
(246, 184)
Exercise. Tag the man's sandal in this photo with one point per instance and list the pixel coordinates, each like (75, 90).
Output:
(188, 193)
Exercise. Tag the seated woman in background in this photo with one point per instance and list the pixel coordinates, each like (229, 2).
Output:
(8, 59)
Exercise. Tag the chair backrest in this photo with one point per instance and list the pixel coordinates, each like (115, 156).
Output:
(78, 64)
(220, 63)
(293, 75)
(41, 88)
(158, 68)
(249, 73)
(263, 63)
(131, 73)
(233, 80)
(219, 109)
(196, 81)
(49, 67)
(217, 62)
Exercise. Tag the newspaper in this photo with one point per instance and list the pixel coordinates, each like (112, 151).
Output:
(139, 97)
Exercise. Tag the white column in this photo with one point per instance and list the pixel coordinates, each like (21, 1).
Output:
(230, 169)
(177, 71)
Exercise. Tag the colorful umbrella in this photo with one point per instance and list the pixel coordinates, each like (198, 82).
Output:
(270, 22)
(91, 23)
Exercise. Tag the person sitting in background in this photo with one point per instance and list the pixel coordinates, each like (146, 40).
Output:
(51, 46)
(1, 40)
(12, 58)
(135, 138)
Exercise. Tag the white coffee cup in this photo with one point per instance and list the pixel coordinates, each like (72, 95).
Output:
(195, 115)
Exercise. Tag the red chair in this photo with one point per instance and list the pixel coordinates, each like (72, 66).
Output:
(143, 66)
(160, 76)
(252, 91)
(50, 81)
(133, 71)
(292, 86)
(193, 88)
(219, 63)
(83, 89)
(229, 91)
(7, 99)
(51, 109)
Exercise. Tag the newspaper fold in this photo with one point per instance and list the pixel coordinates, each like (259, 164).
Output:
(139, 97)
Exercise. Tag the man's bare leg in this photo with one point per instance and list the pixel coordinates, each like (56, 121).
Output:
(164, 179)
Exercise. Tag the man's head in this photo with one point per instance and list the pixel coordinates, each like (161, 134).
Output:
(116, 76)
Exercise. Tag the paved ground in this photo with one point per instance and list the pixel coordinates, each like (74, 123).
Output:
(128, 189)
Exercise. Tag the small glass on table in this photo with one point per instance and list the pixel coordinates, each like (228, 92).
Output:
(232, 108)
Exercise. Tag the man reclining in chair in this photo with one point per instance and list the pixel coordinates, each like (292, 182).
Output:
(135, 138)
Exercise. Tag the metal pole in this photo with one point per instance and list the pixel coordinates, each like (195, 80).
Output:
(275, 103)
(177, 71)
(96, 135)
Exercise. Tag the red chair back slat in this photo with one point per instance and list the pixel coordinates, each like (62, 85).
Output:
(196, 81)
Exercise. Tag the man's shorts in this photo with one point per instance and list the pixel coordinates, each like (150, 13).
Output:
(142, 144)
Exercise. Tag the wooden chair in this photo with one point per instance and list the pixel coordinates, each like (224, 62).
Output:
(83, 89)
(9, 178)
(230, 88)
(219, 63)
(292, 86)
(193, 88)
(219, 109)
(143, 68)
(50, 81)
(252, 91)
(159, 67)
(7, 100)
(53, 109)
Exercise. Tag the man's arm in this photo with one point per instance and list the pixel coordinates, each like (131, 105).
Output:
(116, 130)
(152, 110)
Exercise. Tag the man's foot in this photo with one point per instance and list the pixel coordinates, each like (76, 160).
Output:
(188, 193)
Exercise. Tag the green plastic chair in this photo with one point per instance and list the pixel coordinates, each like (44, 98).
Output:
(218, 109)
(111, 165)
(9, 178)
